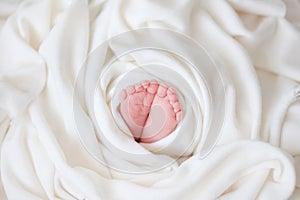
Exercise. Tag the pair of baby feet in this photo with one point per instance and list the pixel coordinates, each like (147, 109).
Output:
(150, 110)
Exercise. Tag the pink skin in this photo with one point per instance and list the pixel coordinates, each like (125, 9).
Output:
(150, 110)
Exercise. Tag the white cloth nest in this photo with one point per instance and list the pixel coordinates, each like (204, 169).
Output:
(255, 45)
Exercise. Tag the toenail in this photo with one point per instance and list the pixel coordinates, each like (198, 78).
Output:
(162, 91)
(176, 106)
(170, 92)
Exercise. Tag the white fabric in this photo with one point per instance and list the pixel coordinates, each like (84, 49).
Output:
(256, 46)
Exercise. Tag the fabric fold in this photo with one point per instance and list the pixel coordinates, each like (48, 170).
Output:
(43, 48)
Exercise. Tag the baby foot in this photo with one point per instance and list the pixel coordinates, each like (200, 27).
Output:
(135, 105)
(150, 110)
(164, 115)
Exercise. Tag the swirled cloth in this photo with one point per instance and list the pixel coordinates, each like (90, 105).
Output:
(58, 144)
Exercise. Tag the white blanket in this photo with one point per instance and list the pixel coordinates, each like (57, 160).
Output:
(43, 45)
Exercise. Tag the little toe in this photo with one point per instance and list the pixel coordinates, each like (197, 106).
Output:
(123, 95)
(176, 106)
